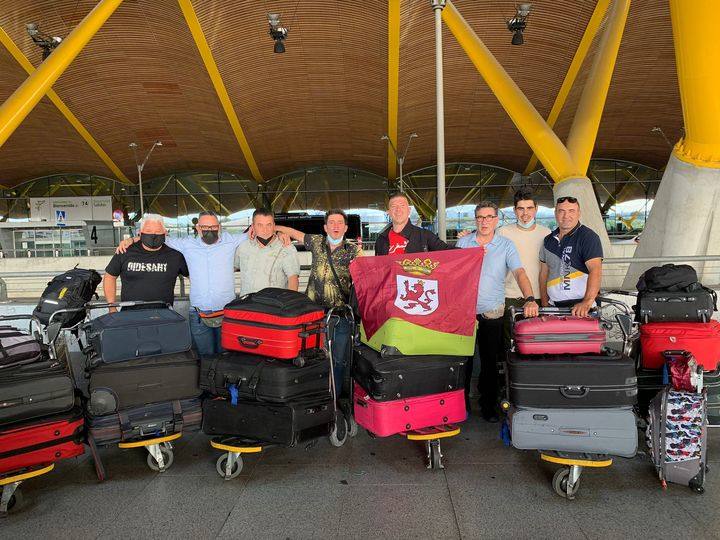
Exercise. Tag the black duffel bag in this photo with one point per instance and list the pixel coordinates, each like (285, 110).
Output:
(672, 293)
(70, 290)
(669, 277)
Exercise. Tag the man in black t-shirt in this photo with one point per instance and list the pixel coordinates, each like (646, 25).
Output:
(148, 269)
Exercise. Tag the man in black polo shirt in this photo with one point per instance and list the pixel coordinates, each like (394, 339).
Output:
(148, 269)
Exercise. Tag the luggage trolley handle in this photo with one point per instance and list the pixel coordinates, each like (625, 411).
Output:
(24, 317)
(99, 305)
(54, 327)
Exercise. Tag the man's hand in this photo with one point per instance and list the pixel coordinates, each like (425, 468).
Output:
(464, 233)
(284, 238)
(531, 309)
(125, 244)
(582, 309)
(112, 310)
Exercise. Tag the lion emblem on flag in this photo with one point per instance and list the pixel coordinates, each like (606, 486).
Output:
(416, 296)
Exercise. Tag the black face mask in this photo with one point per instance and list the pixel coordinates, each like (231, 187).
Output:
(264, 241)
(153, 241)
(210, 237)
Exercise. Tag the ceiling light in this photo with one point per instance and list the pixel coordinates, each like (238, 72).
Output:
(277, 32)
(45, 42)
(518, 23)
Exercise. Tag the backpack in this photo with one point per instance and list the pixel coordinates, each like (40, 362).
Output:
(69, 290)
(670, 278)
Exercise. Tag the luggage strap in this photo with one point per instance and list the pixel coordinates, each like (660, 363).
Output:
(211, 374)
(177, 416)
(125, 425)
(233, 389)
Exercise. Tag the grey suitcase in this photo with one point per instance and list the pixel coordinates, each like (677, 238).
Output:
(677, 437)
(595, 431)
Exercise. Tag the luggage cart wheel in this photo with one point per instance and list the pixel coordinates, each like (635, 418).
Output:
(434, 454)
(339, 433)
(566, 481)
(229, 465)
(353, 426)
(11, 499)
(160, 457)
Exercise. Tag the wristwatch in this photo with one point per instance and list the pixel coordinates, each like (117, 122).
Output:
(530, 299)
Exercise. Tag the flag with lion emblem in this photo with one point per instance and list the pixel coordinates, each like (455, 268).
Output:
(419, 303)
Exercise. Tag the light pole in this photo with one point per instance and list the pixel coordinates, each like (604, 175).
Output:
(400, 159)
(140, 167)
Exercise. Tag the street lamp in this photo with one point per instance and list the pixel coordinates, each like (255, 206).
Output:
(140, 167)
(400, 159)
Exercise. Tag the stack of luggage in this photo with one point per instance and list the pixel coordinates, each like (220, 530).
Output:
(273, 383)
(675, 311)
(40, 422)
(142, 376)
(568, 391)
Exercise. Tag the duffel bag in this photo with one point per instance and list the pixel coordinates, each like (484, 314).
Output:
(70, 290)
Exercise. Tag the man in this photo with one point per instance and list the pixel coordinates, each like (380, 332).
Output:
(264, 261)
(571, 261)
(148, 269)
(401, 236)
(500, 258)
(528, 238)
(330, 280)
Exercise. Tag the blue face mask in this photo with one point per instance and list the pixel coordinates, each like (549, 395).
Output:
(527, 225)
(332, 241)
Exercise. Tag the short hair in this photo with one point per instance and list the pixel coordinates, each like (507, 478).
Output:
(147, 218)
(524, 194)
(396, 194)
(486, 204)
(262, 212)
(334, 212)
(208, 213)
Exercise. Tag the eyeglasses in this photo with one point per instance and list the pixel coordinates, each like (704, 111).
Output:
(484, 218)
(572, 200)
(209, 227)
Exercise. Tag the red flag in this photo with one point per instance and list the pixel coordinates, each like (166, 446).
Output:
(436, 290)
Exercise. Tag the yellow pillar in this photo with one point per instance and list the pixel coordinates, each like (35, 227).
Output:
(24, 99)
(583, 132)
(393, 84)
(697, 56)
(550, 150)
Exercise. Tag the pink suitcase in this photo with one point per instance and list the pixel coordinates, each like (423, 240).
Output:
(559, 334)
(384, 418)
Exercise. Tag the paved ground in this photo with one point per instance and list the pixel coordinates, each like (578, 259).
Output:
(371, 488)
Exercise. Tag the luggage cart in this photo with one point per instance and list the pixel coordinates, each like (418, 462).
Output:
(11, 497)
(432, 437)
(566, 480)
(230, 464)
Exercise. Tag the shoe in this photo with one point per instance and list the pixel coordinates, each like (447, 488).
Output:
(490, 416)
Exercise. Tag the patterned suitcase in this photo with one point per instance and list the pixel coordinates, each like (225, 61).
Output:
(384, 418)
(700, 339)
(559, 334)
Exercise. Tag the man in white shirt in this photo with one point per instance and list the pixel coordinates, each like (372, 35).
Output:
(528, 237)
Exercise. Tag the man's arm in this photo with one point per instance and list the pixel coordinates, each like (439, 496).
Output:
(530, 308)
(594, 266)
(434, 242)
(294, 283)
(291, 267)
(544, 300)
(292, 233)
(110, 289)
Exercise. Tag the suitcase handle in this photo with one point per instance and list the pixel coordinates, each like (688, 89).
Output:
(361, 402)
(250, 343)
(574, 392)
(671, 353)
(148, 349)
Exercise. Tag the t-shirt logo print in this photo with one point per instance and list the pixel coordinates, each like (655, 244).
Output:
(417, 296)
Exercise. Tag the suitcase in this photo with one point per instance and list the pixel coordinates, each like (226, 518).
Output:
(264, 379)
(35, 390)
(146, 421)
(17, 348)
(397, 337)
(285, 424)
(383, 418)
(700, 339)
(650, 382)
(559, 334)
(277, 323)
(386, 379)
(677, 437)
(572, 381)
(711, 383)
(70, 290)
(595, 431)
(41, 442)
(137, 333)
(123, 385)
(662, 306)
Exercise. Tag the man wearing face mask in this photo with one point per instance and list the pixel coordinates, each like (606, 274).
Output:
(148, 269)
(264, 261)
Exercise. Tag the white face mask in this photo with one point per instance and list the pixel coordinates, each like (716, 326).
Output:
(527, 225)
(332, 241)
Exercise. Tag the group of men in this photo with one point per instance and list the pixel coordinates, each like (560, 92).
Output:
(525, 265)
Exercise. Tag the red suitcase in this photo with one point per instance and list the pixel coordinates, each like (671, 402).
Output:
(384, 418)
(277, 323)
(559, 334)
(700, 339)
(41, 442)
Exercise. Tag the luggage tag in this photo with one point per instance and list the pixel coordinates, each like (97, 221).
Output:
(233, 389)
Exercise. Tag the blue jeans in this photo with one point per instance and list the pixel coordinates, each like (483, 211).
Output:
(206, 340)
(340, 335)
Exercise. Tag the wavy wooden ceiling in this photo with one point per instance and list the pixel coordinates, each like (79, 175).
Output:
(325, 100)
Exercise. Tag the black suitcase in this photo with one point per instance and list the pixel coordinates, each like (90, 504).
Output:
(35, 390)
(397, 377)
(137, 333)
(650, 383)
(663, 306)
(572, 381)
(285, 424)
(122, 385)
(153, 420)
(711, 383)
(264, 379)
(70, 290)
(17, 348)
